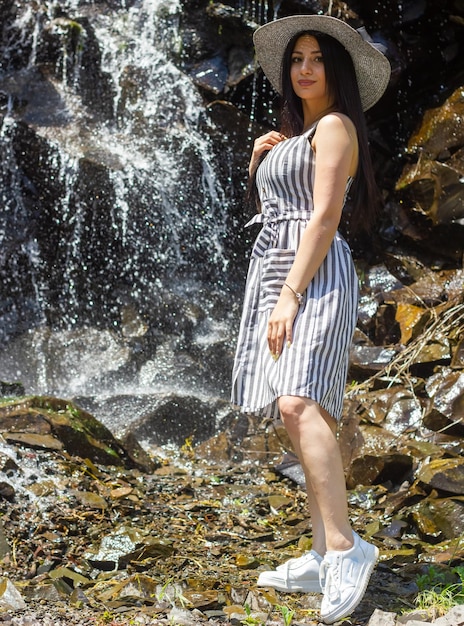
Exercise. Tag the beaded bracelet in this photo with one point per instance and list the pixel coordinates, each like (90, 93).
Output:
(299, 296)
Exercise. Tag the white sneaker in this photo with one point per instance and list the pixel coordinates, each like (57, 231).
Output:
(344, 579)
(300, 574)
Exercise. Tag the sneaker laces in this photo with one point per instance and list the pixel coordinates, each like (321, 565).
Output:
(286, 572)
(285, 569)
(330, 579)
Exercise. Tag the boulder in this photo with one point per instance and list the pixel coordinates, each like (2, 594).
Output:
(57, 424)
(175, 419)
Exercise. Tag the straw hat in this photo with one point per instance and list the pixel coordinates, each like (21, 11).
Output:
(371, 66)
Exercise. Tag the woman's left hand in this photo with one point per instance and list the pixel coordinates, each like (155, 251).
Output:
(280, 326)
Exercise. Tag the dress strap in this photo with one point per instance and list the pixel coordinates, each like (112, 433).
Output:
(309, 134)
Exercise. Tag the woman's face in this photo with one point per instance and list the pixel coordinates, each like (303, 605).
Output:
(307, 72)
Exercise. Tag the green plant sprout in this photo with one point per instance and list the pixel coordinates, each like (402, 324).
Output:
(436, 594)
(287, 614)
(249, 620)
(431, 579)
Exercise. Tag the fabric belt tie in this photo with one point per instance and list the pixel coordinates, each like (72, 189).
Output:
(270, 218)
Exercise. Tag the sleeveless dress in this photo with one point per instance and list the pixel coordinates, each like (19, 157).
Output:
(315, 365)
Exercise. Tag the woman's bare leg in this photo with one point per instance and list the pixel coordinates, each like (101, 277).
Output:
(312, 432)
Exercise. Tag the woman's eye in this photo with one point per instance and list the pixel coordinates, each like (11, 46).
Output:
(296, 59)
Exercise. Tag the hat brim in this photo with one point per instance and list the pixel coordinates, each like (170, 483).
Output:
(371, 66)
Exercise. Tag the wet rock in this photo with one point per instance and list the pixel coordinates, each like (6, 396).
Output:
(136, 454)
(454, 282)
(7, 491)
(412, 320)
(434, 351)
(32, 440)
(126, 545)
(373, 454)
(406, 267)
(434, 183)
(74, 48)
(438, 519)
(56, 424)
(7, 463)
(218, 448)
(203, 527)
(375, 318)
(370, 469)
(90, 499)
(244, 438)
(232, 60)
(70, 359)
(211, 74)
(397, 408)
(446, 475)
(368, 360)
(429, 290)
(404, 416)
(441, 131)
(290, 467)
(139, 586)
(175, 419)
(11, 389)
(379, 281)
(445, 409)
(68, 574)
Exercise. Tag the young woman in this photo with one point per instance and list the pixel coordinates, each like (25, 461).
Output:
(300, 305)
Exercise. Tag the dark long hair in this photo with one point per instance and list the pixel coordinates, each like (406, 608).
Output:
(343, 89)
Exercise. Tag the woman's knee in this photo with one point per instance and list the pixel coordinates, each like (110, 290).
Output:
(297, 412)
(291, 408)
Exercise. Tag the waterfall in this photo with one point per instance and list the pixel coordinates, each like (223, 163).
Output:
(113, 266)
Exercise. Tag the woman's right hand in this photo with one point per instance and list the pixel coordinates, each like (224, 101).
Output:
(281, 320)
(263, 144)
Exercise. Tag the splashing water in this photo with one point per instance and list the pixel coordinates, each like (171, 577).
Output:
(122, 204)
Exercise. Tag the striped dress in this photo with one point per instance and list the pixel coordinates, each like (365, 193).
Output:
(315, 365)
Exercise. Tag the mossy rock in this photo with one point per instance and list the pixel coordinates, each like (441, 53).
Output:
(81, 434)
